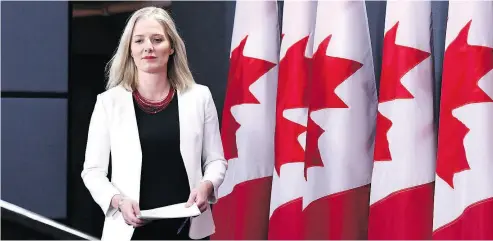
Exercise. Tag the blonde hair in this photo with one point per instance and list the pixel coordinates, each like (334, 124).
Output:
(121, 69)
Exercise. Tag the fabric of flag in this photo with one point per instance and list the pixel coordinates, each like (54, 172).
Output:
(248, 122)
(286, 217)
(401, 200)
(341, 124)
(464, 174)
(314, 154)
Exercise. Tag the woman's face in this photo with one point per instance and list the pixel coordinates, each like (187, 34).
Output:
(150, 47)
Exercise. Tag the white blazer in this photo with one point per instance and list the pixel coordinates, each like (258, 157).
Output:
(113, 128)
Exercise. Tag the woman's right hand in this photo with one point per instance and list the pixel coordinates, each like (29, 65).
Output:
(129, 209)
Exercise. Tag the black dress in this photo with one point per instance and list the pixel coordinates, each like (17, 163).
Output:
(164, 179)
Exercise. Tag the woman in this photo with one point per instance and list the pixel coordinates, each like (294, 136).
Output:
(163, 134)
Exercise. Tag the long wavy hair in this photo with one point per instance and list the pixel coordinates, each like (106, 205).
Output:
(121, 69)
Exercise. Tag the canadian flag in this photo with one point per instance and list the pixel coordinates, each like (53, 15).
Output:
(286, 217)
(248, 123)
(401, 200)
(464, 175)
(341, 124)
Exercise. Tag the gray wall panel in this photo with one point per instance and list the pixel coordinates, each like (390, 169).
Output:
(34, 46)
(34, 154)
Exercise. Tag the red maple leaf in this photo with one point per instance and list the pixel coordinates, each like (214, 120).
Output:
(293, 80)
(397, 61)
(463, 66)
(243, 72)
(328, 73)
(382, 150)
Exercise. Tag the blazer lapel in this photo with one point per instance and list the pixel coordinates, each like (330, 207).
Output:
(129, 141)
(186, 107)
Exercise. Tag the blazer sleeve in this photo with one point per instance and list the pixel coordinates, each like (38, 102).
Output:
(95, 170)
(214, 163)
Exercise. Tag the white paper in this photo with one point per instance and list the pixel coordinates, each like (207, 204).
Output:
(172, 211)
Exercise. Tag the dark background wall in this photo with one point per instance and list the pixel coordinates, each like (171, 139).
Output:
(53, 68)
(34, 105)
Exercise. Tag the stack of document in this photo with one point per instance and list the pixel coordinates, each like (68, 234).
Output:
(172, 211)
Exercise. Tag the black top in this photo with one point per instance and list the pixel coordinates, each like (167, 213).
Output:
(164, 179)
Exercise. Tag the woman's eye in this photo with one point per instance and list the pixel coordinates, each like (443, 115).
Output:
(159, 40)
(138, 41)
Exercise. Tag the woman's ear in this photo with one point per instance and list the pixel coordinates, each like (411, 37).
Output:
(172, 51)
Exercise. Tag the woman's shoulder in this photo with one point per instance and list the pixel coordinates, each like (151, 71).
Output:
(114, 92)
(112, 96)
(198, 91)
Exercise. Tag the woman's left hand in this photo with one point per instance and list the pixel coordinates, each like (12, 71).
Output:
(200, 195)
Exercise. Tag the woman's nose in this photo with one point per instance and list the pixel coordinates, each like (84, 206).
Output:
(148, 46)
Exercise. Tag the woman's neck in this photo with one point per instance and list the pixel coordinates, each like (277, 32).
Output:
(153, 86)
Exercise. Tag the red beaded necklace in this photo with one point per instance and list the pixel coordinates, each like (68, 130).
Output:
(153, 107)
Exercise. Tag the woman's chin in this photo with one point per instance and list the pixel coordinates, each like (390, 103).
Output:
(152, 69)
